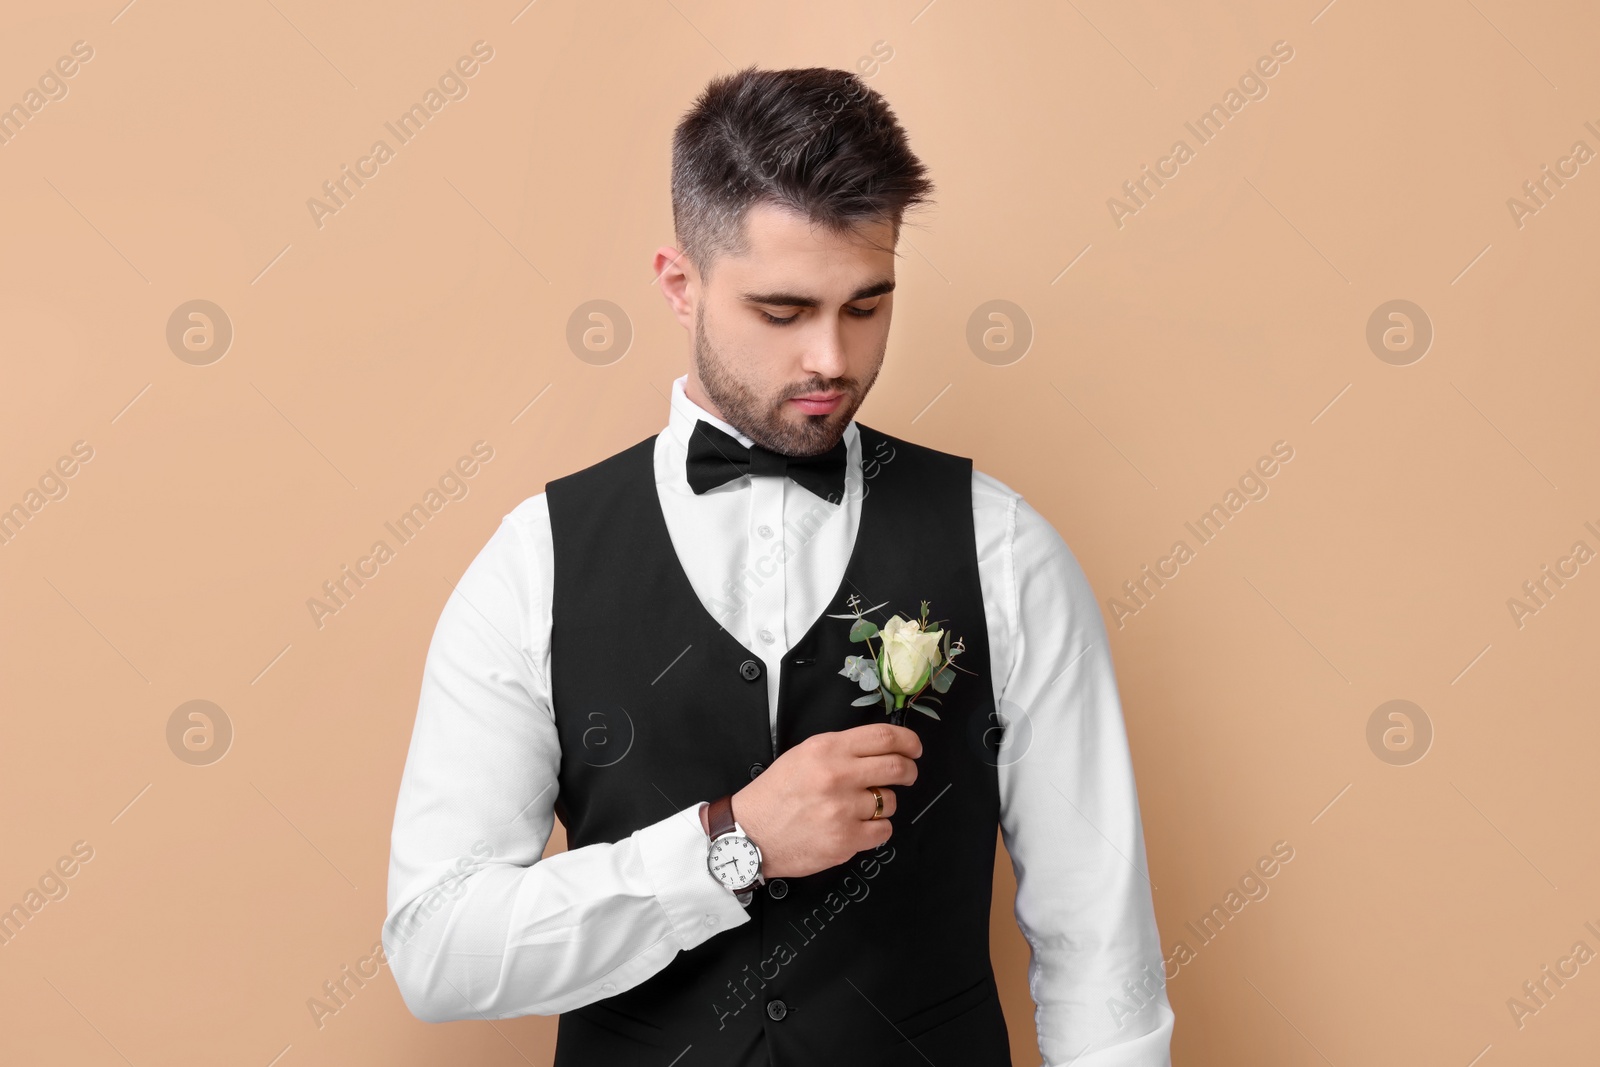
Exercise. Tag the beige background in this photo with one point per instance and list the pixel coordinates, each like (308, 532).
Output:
(431, 311)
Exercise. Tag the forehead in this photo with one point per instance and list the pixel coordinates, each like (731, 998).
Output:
(789, 249)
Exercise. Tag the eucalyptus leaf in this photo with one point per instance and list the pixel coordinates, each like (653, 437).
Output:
(863, 629)
(941, 681)
(925, 710)
(861, 702)
(860, 668)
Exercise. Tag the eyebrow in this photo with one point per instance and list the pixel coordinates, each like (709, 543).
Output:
(797, 300)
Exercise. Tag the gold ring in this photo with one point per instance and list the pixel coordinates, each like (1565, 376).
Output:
(878, 813)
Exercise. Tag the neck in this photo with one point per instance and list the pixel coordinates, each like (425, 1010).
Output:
(692, 390)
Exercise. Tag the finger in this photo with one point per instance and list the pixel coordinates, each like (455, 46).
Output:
(890, 802)
(888, 769)
(874, 832)
(879, 737)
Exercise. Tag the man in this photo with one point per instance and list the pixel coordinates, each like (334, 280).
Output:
(759, 871)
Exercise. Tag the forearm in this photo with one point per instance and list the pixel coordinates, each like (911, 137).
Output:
(566, 931)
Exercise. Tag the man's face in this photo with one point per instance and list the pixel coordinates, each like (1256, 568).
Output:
(803, 312)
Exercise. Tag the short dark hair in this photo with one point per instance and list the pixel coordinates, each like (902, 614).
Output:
(815, 140)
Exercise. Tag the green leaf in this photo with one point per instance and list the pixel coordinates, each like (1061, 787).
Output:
(861, 702)
(942, 680)
(863, 629)
(925, 710)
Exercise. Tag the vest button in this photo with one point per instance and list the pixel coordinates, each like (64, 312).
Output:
(777, 1009)
(755, 769)
(749, 670)
(778, 888)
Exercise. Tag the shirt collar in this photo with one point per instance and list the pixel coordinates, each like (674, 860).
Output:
(685, 412)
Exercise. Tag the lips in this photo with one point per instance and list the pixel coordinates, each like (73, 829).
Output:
(817, 403)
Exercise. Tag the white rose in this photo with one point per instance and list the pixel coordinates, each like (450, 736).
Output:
(910, 655)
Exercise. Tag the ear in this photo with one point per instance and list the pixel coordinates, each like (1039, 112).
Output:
(679, 282)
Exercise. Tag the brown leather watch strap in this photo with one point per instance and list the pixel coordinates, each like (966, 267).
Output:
(720, 815)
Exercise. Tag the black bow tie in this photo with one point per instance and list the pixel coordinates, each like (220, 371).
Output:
(716, 457)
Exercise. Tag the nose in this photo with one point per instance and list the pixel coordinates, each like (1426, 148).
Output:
(825, 355)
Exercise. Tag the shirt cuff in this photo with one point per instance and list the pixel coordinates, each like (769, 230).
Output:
(673, 852)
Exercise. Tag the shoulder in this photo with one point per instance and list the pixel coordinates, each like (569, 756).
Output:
(990, 494)
(511, 555)
(1016, 527)
(531, 517)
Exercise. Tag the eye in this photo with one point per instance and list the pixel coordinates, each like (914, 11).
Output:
(863, 313)
(777, 321)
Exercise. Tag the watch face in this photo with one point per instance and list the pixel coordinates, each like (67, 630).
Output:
(734, 860)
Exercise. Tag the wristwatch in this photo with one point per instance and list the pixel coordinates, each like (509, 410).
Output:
(733, 859)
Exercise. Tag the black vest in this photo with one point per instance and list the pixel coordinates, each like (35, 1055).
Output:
(881, 961)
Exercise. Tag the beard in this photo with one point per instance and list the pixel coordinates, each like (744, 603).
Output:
(768, 420)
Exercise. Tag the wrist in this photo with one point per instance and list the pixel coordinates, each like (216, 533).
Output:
(749, 821)
(732, 858)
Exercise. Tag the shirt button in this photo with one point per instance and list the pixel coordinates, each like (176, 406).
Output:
(764, 530)
(778, 888)
(755, 769)
(609, 987)
(766, 635)
(777, 1009)
(749, 670)
(711, 920)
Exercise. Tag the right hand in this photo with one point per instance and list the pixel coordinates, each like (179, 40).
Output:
(811, 809)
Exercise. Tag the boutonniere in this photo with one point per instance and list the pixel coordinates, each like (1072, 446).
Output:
(912, 655)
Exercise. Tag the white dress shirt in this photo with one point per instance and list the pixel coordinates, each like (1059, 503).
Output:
(480, 926)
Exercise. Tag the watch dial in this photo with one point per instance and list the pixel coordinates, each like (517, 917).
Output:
(734, 861)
